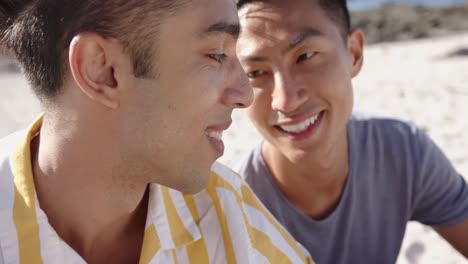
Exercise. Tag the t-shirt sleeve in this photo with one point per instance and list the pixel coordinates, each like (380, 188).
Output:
(440, 192)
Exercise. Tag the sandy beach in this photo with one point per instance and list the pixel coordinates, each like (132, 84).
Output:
(423, 81)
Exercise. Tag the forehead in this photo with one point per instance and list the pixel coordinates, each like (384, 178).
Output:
(280, 21)
(207, 11)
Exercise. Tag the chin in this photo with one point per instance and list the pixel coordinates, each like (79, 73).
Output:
(194, 181)
(296, 156)
(196, 186)
(188, 179)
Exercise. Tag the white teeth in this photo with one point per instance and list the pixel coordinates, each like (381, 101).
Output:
(215, 134)
(300, 127)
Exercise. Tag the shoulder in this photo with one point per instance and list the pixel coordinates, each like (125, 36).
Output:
(253, 209)
(396, 148)
(393, 138)
(261, 226)
(381, 123)
(377, 131)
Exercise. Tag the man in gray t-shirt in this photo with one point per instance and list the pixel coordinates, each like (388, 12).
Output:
(344, 186)
(396, 174)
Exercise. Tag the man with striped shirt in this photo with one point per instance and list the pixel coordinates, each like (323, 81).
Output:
(119, 168)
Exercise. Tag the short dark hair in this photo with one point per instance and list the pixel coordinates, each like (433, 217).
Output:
(38, 33)
(337, 10)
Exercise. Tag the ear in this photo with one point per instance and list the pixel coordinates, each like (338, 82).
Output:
(93, 60)
(356, 51)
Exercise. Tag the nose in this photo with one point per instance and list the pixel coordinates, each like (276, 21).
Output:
(287, 94)
(239, 93)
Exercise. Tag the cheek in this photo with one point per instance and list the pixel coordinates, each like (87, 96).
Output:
(331, 80)
(208, 83)
(212, 72)
(333, 85)
(191, 97)
(260, 110)
(257, 118)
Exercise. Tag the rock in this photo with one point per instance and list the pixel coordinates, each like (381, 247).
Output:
(461, 52)
(396, 23)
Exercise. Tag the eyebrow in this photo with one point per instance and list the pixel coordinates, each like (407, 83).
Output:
(233, 30)
(301, 37)
(296, 41)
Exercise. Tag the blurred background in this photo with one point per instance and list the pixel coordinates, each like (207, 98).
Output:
(416, 69)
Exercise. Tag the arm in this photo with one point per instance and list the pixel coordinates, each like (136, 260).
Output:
(442, 196)
(457, 236)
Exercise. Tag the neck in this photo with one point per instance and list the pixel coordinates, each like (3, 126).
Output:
(314, 183)
(93, 204)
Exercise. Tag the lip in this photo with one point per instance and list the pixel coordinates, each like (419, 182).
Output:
(219, 127)
(297, 119)
(218, 145)
(305, 134)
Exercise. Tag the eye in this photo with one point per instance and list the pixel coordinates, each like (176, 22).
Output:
(221, 58)
(306, 56)
(255, 74)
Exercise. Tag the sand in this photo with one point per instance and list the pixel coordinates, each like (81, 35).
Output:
(413, 80)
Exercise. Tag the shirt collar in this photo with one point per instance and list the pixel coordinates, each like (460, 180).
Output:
(25, 208)
(174, 217)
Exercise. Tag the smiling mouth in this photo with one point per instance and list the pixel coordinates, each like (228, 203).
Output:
(218, 135)
(300, 127)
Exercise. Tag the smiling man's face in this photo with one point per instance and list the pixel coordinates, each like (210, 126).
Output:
(175, 121)
(300, 68)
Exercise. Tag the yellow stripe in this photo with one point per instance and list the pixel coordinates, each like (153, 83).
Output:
(24, 208)
(197, 251)
(218, 181)
(174, 256)
(250, 199)
(180, 234)
(263, 243)
(192, 207)
(150, 245)
(230, 256)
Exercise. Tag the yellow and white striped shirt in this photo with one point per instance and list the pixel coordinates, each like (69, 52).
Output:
(225, 223)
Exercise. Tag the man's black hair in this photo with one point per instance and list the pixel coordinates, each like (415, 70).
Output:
(337, 10)
(38, 33)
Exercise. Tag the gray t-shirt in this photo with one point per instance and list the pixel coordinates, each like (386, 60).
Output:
(397, 174)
